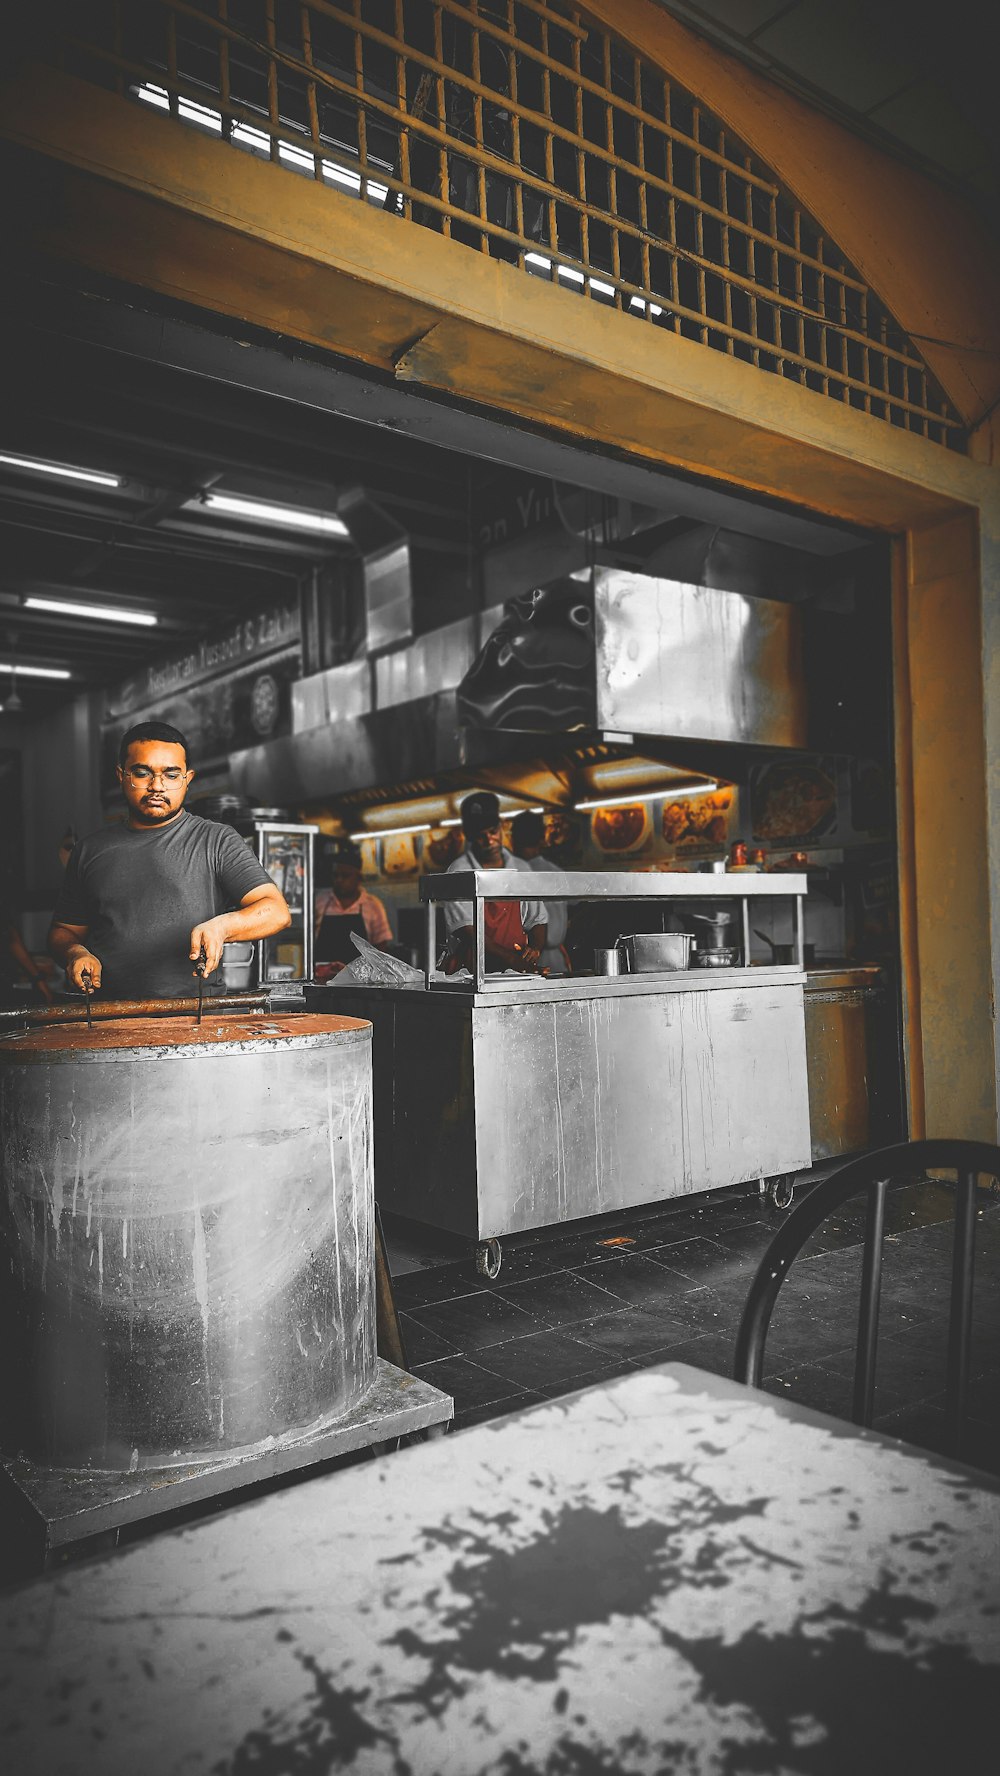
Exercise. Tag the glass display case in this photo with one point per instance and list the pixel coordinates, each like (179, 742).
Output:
(286, 853)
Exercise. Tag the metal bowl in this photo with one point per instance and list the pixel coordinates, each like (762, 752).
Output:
(715, 958)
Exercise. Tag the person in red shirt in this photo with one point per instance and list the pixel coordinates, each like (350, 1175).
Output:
(515, 929)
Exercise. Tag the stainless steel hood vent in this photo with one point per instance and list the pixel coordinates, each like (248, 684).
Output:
(384, 548)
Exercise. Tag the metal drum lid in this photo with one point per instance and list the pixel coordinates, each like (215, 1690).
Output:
(224, 1032)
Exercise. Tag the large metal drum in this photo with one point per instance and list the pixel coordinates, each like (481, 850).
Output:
(187, 1219)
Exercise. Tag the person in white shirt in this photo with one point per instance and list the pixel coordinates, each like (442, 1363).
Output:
(515, 929)
(527, 836)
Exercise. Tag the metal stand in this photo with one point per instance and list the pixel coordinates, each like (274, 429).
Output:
(62, 1514)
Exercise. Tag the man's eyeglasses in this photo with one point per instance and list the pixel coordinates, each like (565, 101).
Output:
(141, 775)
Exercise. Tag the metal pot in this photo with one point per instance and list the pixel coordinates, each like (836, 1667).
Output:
(714, 938)
(656, 952)
(783, 954)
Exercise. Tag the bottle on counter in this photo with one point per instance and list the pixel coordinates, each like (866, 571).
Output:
(738, 857)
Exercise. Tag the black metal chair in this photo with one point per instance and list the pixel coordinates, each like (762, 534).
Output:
(874, 1172)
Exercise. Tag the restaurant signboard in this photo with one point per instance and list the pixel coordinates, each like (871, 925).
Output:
(226, 693)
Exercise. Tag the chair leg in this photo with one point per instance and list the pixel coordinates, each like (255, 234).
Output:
(871, 1289)
(960, 1326)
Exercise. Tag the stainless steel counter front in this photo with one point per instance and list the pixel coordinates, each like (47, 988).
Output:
(524, 1106)
(501, 989)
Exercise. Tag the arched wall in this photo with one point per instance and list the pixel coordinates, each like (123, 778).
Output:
(927, 256)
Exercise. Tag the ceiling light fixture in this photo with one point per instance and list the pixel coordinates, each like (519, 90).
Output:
(36, 671)
(63, 470)
(263, 512)
(653, 795)
(102, 613)
(390, 832)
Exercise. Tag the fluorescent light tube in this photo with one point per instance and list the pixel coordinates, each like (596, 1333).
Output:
(292, 517)
(102, 613)
(36, 671)
(653, 795)
(62, 470)
(391, 832)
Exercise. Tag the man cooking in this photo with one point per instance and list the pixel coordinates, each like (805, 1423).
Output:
(515, 929)
(140, 903)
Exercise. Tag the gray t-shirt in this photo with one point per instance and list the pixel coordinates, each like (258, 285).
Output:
(140, 893)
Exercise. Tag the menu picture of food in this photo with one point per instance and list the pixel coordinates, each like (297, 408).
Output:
(794, 801)
(369, 857)
(699, 822)
(622, 829)
(399, 855)
(441, 847)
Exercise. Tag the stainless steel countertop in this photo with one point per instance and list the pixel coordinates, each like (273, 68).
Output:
(609, 885)
(831, 980)
(515, 990)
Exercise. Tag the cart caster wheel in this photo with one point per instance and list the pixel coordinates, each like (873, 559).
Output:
(781, 1190)
(489, 1259)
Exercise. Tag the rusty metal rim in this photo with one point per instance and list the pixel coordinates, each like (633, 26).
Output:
(178, 1051)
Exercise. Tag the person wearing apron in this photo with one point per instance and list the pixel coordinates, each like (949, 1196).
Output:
(345, 907)
(515, 929)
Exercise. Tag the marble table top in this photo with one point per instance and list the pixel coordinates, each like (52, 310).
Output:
(668, 1572)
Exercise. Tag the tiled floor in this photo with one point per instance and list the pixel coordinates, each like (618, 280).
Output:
(669, 1284)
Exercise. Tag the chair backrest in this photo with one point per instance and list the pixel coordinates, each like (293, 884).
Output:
(874, 1172)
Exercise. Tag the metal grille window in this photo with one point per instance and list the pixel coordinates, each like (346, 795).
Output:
(526, 132)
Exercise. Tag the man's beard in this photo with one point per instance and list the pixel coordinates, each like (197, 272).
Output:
(154, 814)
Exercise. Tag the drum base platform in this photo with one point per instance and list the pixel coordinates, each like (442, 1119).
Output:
(52, 1515)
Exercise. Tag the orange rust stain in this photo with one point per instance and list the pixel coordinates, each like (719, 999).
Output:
(174, 1032)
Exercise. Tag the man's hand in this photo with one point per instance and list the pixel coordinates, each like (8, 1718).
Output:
(213, 933)
(80, 962)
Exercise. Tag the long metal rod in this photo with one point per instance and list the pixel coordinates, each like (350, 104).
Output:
(960, 1325)
(479, 916)
(430, 931)
(127, 1008)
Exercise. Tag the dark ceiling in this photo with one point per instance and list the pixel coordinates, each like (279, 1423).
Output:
(181, 405)
(141, 546)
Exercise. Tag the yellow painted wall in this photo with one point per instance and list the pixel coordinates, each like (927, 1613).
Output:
(941, 719)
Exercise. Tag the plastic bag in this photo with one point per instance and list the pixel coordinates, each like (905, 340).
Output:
(373, 968)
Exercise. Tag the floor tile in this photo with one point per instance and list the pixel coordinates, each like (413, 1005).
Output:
(699, 1259)
(475, 1415)
(468, 1383)
(560, 1299)
(638, 1282)
(542, 1360)
(629, 1333)
(423, 1345)
(425, 1288)
(708, 1351)
(475, 1322)
(557, 1390)
(813, 1385)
